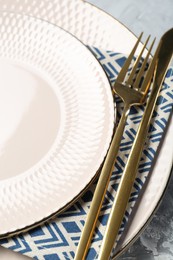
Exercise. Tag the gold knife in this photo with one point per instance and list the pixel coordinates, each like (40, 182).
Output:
(163, 56)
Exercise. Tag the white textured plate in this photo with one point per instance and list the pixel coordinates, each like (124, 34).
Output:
(56, 112)
(96, 28)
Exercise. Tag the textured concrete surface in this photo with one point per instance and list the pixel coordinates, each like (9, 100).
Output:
(152, 17)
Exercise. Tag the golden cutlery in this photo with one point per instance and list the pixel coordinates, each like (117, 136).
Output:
(131, 94)
(161, 60)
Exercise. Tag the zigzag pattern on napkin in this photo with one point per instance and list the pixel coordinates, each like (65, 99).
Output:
(18, 244)
(59, 238)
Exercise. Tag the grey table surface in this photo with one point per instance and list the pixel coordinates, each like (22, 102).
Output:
(152, 17)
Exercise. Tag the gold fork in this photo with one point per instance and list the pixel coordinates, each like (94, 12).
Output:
(131, 94)
(161, 60)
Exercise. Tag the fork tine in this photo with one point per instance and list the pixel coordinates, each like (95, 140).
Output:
(133, 71)
(140, 73)
(124, 69)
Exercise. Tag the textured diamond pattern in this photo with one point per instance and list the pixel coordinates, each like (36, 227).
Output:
(76, 16)
(85, 108)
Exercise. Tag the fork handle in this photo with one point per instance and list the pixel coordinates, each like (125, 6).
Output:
(127, 181)
(101, 188)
